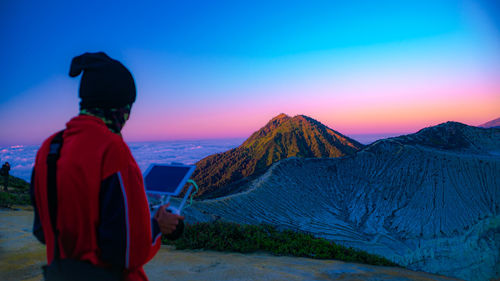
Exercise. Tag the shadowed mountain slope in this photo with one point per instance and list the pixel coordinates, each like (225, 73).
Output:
(422, 203)
(222, 174)
(454, 136)
(491, 124)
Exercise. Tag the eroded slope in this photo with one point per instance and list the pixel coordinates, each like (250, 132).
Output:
(431, 209)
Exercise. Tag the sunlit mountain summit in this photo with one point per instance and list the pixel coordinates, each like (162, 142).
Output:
(282, 137)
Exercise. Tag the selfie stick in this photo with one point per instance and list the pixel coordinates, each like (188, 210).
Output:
(185, 198)
(178, 210)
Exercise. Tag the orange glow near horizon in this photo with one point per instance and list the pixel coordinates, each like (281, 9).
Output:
(348, 116)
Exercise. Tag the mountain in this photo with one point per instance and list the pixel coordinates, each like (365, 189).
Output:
(282, 137)
(491, 124)
(453, 136)
(429, 201)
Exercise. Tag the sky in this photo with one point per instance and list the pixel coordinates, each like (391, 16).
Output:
(222, 69)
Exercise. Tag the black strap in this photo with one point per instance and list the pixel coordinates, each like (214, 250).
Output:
(54, 153)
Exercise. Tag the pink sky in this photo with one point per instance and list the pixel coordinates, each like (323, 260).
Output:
(371, 69)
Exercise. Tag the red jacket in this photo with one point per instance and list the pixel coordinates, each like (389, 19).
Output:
(103, 213)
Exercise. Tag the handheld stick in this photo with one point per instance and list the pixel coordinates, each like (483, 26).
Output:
(168, 180)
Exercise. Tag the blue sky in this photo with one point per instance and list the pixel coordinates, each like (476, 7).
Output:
(193, 59)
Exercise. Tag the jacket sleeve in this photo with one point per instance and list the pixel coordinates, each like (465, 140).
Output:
(37, 225)
(127, 234)
(113, 226)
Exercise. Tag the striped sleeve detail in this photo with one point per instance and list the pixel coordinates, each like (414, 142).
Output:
(127, 251)
(113, 231)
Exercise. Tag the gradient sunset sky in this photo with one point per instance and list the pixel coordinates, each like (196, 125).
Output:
(222, 69)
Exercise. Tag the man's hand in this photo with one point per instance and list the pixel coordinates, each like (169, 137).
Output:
(167, 221)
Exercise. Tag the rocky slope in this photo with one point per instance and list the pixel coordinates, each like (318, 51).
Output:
(429, 201)
(282, 137)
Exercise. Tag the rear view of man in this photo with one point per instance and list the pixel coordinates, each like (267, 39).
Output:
(101, 215)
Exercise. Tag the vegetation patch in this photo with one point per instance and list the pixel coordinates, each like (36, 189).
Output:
(18, 184)
(231, 237)
(18, 193)
(8, 199)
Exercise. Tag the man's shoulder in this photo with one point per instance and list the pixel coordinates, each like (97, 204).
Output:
(115, 142)
(46, 143)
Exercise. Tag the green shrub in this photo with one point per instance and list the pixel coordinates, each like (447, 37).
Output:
(18, 193)
(7, 199)
(18, 183)
(233, 237)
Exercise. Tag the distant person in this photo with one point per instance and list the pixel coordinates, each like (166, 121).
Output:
(5, 174)
(104, 230)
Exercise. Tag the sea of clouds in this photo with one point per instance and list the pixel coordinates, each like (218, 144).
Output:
(22, 157)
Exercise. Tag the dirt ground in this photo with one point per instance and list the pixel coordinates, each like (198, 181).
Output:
(21, 258)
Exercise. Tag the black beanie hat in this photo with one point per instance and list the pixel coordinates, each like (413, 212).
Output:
(105, 83)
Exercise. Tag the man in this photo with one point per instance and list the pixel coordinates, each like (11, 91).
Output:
(103, 215)
(5, 173)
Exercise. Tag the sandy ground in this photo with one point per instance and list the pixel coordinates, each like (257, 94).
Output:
(21, 258)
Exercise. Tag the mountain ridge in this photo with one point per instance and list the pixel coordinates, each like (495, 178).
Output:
(453, 136)
(491, 124)
(426, 206)
(282, 137)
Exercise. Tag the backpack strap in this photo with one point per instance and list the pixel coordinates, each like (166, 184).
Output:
(54, 153)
